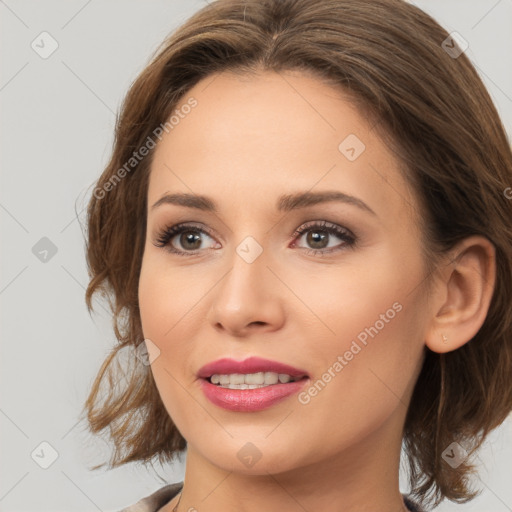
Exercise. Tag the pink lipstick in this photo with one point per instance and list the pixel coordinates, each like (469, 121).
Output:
(250, 385)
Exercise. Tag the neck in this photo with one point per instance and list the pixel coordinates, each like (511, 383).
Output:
(359, 478)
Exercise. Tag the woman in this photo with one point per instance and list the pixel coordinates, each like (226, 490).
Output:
(340, 172)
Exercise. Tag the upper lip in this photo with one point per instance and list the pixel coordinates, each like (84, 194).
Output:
(228, 366)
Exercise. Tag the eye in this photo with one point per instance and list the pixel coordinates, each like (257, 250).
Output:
(318, 235)
(189, 239)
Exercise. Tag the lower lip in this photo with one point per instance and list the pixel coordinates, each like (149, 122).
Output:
(249, 400)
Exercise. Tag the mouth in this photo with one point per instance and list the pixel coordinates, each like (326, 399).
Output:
(251, 385)
(252, 372)
(238, 392)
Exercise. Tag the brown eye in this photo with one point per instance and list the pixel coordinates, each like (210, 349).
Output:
(190, 240)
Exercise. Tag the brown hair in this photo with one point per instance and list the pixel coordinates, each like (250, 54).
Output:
(447, 134)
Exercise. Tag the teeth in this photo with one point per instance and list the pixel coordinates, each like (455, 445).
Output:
(250, 380)
(271, 378)
(224, 379)
(237, 378)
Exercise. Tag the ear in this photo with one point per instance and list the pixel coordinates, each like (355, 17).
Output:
(461, 294)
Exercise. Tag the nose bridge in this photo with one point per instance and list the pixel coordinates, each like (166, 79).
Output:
(248, 237)
(248, 273)
(251, 235)
(248, 293)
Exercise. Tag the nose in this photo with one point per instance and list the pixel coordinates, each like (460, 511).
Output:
(247, 299)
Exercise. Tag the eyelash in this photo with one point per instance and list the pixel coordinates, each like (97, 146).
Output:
(168, 233)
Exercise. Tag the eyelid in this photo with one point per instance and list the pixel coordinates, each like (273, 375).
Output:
(341, 232)
(328, 226)
(164, 235)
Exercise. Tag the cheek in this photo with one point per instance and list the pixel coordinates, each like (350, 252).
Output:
(355, 299)
(367, 359)
(166, 295)
(166, 302)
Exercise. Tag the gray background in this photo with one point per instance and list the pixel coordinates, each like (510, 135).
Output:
(58, 116)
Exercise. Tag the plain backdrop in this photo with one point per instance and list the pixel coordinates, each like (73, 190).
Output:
(57, 121)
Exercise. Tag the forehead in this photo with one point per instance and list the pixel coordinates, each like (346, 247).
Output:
(254, 137)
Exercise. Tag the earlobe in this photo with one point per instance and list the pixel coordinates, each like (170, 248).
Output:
(462, 295)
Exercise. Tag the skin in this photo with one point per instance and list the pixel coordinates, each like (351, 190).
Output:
(249, 140)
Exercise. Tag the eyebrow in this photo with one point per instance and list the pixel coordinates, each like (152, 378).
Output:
(285, 203)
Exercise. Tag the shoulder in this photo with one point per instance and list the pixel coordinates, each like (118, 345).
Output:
(162, 496)
(156, 500)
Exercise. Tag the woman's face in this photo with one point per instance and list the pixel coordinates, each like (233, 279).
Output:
(333, 288)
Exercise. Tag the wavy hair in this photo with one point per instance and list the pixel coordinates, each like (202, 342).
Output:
(391, 58)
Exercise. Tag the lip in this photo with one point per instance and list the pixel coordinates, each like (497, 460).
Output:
(249, 400)
(250, 365)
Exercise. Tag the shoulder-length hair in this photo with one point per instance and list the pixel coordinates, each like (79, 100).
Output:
(404, 70)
